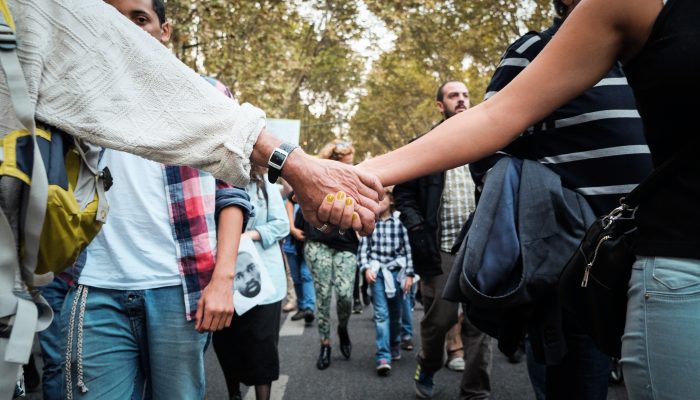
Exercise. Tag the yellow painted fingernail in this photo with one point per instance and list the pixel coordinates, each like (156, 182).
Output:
(330, 198)
(355, 216)
(340, 195)
(348, 201)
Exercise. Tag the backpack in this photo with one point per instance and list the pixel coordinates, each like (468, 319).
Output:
(52, 205)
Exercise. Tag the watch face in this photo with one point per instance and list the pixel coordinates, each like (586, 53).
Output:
(277, 159)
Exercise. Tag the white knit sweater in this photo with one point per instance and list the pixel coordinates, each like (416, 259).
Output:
(96, 75)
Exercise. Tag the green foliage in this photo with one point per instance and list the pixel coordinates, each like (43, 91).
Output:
(436, 41)
(295, 59)
(272, 56)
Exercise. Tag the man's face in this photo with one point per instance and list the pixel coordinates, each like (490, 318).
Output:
(455, 99)
(142, 14)
(247, 281)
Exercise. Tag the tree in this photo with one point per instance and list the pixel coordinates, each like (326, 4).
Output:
(273, 56)
(436, 41)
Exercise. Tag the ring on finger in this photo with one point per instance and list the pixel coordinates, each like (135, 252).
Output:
(323, 228)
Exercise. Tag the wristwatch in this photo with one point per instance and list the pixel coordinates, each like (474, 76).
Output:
(277, 159)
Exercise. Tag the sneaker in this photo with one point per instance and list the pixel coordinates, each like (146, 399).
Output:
(424, 383)
(309, 316)
(298, 315)
(456, 364)
(383, 368)
(395, 353)
(407, 343)
(357, 307)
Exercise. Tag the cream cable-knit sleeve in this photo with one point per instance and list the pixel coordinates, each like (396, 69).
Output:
(98, 76)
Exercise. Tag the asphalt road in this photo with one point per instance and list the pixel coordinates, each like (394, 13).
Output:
(356, 378)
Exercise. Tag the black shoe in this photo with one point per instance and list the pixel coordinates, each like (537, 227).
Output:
(324, 359)
(516, 357)
(357, 307)
(345, 344)
(309, 316)
(298, 315)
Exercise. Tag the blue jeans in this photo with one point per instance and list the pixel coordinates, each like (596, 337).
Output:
(132, 337)
(387, 317)
(52, 342)
(303, 282)
(584, 372)
(661, 344)
(407, 313)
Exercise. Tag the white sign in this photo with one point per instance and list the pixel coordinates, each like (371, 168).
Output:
(286, 129)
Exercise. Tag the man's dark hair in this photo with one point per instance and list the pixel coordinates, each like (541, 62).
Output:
(440, 95)
(159, 8)
(560, 8)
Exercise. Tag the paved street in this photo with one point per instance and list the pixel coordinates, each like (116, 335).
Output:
(356, 379)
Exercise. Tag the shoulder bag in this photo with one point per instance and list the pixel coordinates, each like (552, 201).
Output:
(593, 284)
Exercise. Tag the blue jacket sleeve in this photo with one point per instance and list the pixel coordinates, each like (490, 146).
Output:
(276, 227)
(234, 197)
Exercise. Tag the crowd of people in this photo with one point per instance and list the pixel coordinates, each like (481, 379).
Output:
(601, 98)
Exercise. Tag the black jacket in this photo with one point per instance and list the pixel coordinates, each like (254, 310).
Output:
(419, 201)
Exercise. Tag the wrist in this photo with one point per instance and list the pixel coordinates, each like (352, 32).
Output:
(225, 275)
(293, 167)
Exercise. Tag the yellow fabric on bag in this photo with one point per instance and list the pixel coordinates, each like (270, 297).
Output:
(6, 13)
(67, 229)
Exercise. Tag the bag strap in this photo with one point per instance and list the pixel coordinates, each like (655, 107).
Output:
(24, 109)
(653, 181)
(19, 314)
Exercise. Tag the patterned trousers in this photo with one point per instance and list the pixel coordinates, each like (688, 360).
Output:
(331, 268)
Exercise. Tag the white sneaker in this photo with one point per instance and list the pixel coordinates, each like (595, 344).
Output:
(456, 364)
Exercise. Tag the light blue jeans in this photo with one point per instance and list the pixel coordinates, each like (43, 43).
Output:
(407, 313)
(137, 341)
(387, 317)
(661, 344)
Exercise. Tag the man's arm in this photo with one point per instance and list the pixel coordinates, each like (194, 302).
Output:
(105, 80)
(406, 202)
(215, 307)
(312, 179)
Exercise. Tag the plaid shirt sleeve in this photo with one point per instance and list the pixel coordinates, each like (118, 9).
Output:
(363, 254)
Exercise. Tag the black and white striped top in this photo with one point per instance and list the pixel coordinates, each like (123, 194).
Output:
(595, 142)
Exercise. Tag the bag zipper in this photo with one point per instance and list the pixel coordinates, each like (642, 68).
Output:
(587, 272)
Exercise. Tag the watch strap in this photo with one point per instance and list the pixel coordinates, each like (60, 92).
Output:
(277, 160)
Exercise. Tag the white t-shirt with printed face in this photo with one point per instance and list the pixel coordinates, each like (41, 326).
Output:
(135, 249)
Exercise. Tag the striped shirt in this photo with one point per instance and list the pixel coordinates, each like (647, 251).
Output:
(457, 202)
(595, 143)
(388, 243)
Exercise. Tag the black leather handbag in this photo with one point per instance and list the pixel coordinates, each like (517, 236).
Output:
(593, 284)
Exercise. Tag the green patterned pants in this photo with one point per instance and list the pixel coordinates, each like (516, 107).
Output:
(331, 268)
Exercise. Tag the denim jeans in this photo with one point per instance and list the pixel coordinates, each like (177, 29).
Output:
(303, 282)
(409, 301)
(52, 342)
(135, 336)
(584, 372)
(387, 317)
(661, 344)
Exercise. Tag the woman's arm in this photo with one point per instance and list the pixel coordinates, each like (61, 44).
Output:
(592, 38)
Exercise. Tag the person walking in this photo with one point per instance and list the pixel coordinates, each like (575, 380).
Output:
(385, 260)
